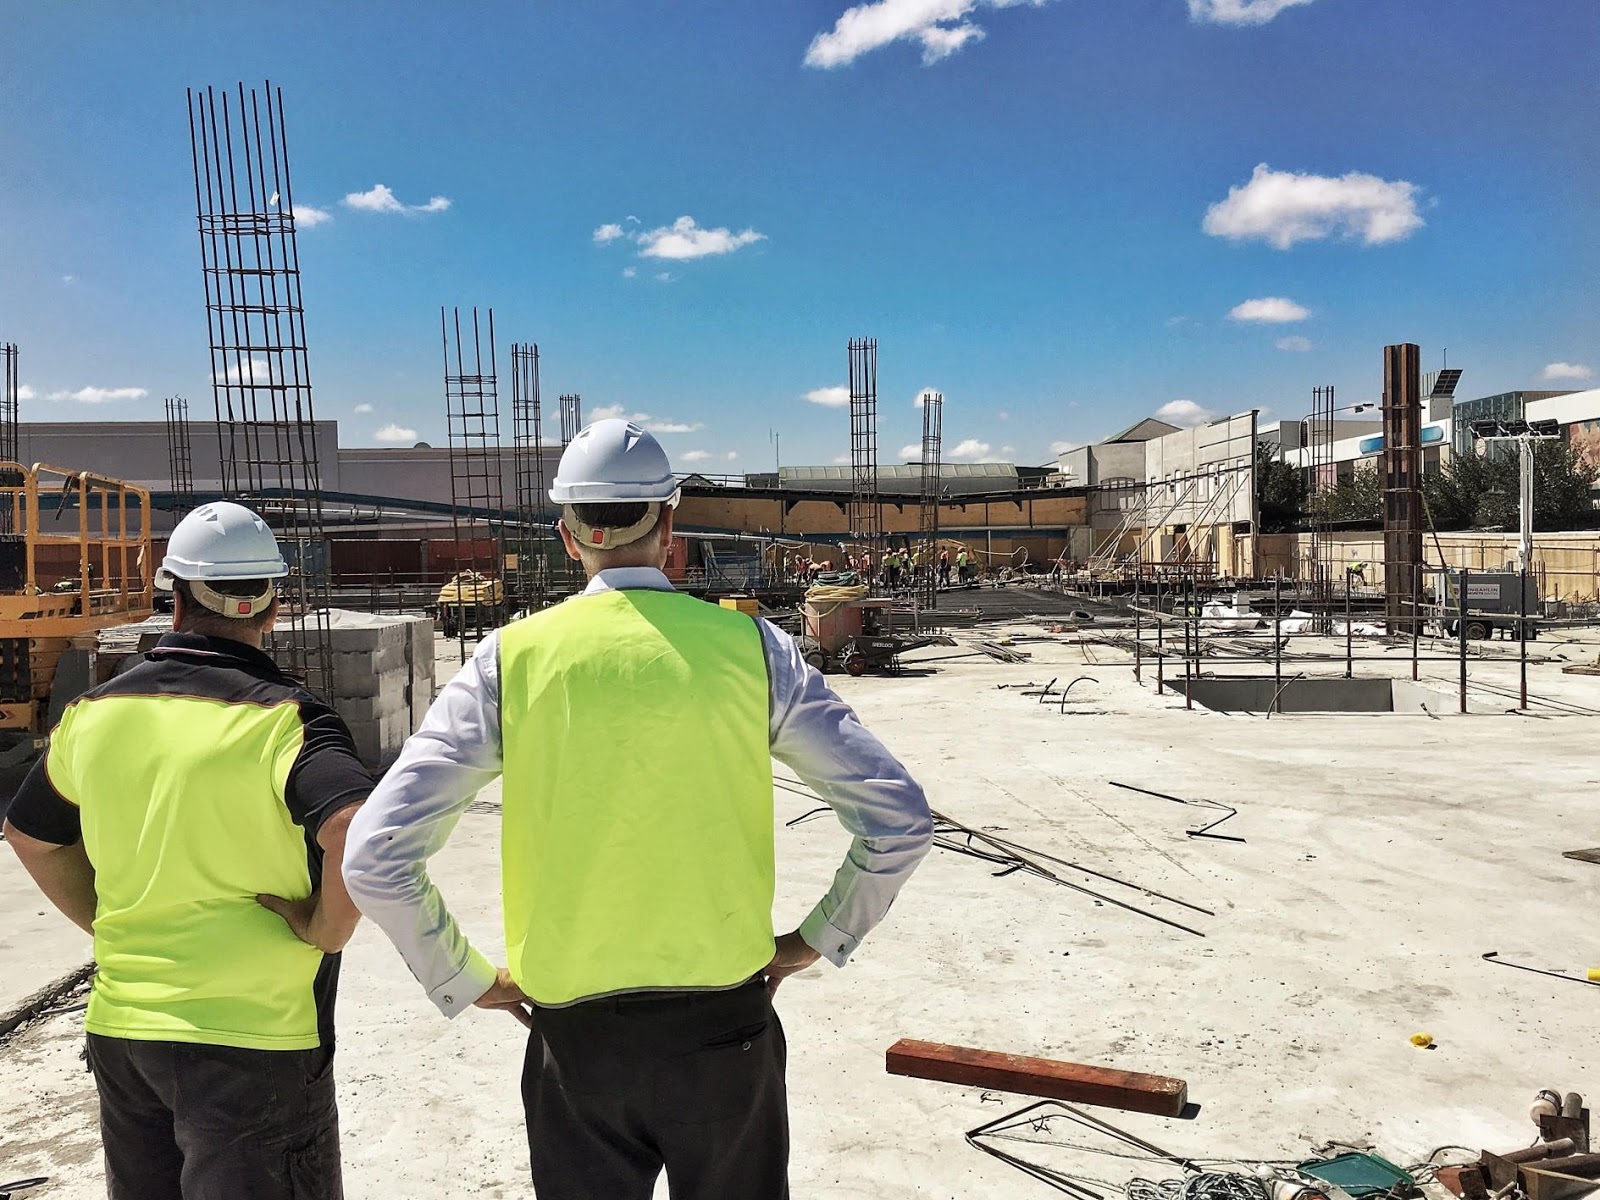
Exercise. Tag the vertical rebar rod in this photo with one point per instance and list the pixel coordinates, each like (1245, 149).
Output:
(1461, 631)
(1416, 624)
(1277, 643)
(1522, 632)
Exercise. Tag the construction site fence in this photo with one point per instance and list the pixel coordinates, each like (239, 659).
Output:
(1565, 565)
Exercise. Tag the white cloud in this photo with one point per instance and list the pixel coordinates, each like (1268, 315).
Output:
(731, 455)
(26, 393)
(1062, 447)
(1269, 310)
(829, 397)
(663, 277)
(695, 455)
(395, 433)
(607, 411)
(1180, 319)
(307, 217)
(381, 199)
(670, 426)
(607, 233)
(683, 240)
(97, 395)
(1239, 12)
(362, 410)
(1183, 413)
(1284, 207)
(247, 372)
(941, 26)
(1008, 451)
(69, 279)
(629, 272)
(1002, 415)
(971, 449)
(911, 452)
(1295, 343)
(1566, 370)
(921, 392)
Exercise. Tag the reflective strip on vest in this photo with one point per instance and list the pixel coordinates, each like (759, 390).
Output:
(184, 821)
(637, 849)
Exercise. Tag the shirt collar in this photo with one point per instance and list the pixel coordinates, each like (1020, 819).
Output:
(199, 645)
(618, 579)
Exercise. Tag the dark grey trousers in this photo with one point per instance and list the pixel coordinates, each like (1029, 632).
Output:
(216, 1122)
(692, 1083)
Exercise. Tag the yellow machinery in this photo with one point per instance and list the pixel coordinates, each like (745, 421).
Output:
(471, 601)
(64, 576)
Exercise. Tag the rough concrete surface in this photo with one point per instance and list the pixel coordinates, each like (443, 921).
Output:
(1384, 854)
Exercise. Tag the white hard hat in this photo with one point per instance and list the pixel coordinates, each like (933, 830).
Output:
(218, 541)
(614, 462)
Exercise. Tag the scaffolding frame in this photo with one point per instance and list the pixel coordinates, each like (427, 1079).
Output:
(472, 419)
(866, 507)
(180, 456)
(528, 467)
(260, 373)
(926, 562)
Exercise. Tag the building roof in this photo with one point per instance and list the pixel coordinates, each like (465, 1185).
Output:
(1144, 431)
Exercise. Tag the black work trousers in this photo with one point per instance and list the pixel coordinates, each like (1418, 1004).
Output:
(690, 1082)
(216, 1122)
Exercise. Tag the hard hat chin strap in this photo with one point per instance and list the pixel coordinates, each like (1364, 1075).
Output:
(230, 606)
(597, 538)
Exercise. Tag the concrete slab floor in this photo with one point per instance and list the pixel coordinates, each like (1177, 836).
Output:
(1385, 854)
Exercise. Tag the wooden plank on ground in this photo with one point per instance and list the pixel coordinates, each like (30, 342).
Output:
(1075, 1082)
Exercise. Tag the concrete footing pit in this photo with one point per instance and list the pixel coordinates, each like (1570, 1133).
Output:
(1257, 694)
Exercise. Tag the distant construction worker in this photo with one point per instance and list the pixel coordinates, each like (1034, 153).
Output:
(1356, 570)
(190, 814)
(944, 566)
(634, 727)
(963, 567)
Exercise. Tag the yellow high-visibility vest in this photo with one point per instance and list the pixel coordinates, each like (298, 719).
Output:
(637, 848)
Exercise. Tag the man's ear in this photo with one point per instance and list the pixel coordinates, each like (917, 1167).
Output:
(570, 542)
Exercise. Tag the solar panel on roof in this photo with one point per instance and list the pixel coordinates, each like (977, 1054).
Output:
(1445, 385)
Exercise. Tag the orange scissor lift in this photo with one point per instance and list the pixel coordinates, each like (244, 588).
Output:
(60, 584)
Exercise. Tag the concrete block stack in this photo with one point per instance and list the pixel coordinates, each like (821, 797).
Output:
(382, 668)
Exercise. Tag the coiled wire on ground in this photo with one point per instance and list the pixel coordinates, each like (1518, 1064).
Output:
(1207, 1185)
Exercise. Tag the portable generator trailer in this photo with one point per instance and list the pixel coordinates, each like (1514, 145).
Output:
(1492, 605)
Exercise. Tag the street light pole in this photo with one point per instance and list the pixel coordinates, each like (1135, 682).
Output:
(1525, 504)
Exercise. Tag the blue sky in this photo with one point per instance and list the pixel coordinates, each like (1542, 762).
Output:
(1046, 210)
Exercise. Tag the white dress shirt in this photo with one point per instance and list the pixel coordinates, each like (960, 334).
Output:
(457, 751)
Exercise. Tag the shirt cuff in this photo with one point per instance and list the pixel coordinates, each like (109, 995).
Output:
(832, 943)
(461, 991)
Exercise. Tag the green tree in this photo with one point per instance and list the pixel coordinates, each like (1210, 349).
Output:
(1481, 491)
(1358, 498)
(1280, 492)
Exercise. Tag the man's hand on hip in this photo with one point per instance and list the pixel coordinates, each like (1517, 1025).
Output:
(307, 920)
(505, 995)
(792, 956)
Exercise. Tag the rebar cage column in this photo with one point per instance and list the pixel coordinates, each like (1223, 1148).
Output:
(10, 395)
(866, 509)
(180, 456)
(571, 418)
(528, 468)
(472, 415)
(260, 375)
